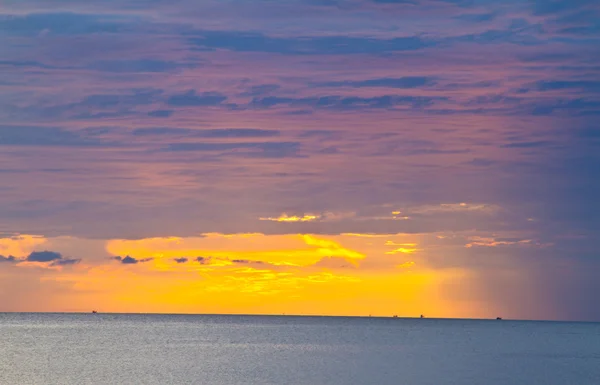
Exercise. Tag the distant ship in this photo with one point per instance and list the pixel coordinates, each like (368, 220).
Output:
(422, 316)
(499, 318)
(94, 312)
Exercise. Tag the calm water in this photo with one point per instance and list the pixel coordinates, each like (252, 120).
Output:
(178, 349)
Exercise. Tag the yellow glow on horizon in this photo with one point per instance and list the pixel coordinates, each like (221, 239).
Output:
(283, 250)
(344, 274)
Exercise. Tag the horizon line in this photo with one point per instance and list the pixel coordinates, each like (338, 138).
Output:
(291, 315)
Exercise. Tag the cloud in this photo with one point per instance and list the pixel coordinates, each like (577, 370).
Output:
(331, 248)
(162, 131)
(326, 216)
(494, 242)
(481, 162)
(583, 85)
(66, 262)
(534, 144)
(261, 89)
(403, 250)
(139, 66)
(477, 17)
(26, 64)
(191, 98)
(180, 260)
(132, 98)
(64, 23)
(91, 106)
(161, 113)
(203, 260)
(305, 45)
(51, 257)
(403, 82)
(248, 262)
(131, 261)
(44, 136)
(410, 2)
(10, 258)
(452, 208)
(292, 218)
(43, 256)
(551, 7)
(237, 133)
(347, 102)
(216, 133)
(256, 149)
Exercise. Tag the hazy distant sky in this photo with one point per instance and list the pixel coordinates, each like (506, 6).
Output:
(301, 156)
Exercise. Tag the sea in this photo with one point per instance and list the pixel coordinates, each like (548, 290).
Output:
(45, 349)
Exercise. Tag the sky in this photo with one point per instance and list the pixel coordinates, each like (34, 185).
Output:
(436, 157)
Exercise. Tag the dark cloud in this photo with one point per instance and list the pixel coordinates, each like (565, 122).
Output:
(497, 36)
(258, 149)
(93, 106)
(261, 89)
(55, 259)
(493, 99)
(248, 262)
(160, 113)
(589, 132)
(44, 256)
(132, 98)
(60, 23)
(403, 82)
(321, 134)
(131, 261)
(480, 162)
(237, 133)
(207, 260)
(346, 102)
(43, 136)
(10, 258)
(160, 131)
(549, 7)
(583, 85)
(25, 64)
(477, 17)
(139, 65)
(180, 260)
(329, 150)
(217, 133)
(66, 262)
(191, 98)
(577, 106)
(310, 45)
(539, 143)
(409, 2)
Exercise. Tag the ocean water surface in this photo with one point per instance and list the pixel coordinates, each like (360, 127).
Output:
(211, 349)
